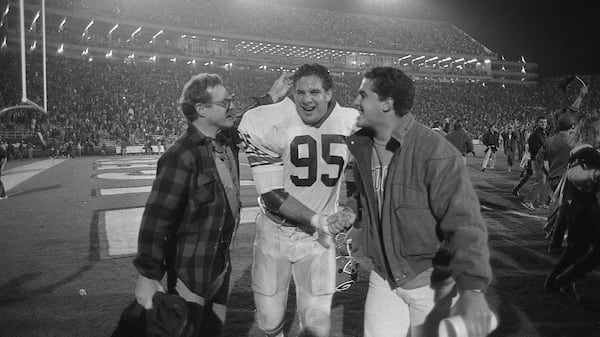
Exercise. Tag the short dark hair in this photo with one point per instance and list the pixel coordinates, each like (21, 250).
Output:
(195, 91)
(458, 124)
(392, 82)
(314, 69)
(436, 124)
(565, 121)
(540, 117)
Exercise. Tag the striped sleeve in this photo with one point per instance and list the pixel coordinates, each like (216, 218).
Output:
(262, 142)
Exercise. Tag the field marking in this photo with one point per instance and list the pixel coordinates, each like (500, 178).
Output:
(141, 189)
(124, 190)
(121, 227)
(17, 175)
(137, 175)
(125, 166)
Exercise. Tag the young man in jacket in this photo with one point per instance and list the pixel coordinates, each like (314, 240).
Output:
(419, 214)
(536, 140)
(461, 139)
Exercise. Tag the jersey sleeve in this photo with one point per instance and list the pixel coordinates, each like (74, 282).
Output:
(262, 139)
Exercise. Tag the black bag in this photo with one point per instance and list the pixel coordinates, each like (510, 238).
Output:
(169, 317)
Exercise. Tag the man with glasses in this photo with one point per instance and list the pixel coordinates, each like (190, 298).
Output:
(194, 208)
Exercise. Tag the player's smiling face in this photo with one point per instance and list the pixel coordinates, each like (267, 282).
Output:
(311, 99)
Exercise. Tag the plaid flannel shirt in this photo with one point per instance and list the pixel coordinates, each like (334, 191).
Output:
(185, 215)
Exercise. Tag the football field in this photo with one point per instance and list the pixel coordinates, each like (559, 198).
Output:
(68, 235)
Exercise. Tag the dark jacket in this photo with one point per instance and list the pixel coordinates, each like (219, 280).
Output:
(511, 144)
(462, 140)
(536, 141)
(491, 139)
(431, 214)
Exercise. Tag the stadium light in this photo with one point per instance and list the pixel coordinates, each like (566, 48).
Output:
(113, 29)
(3, 46)
(523, 59)
(471, 61)
(135, 32)
(459, 60)
(109, 54)
(62, 25)
(6, 10)
(157, 34)
(85, 52)
(33, 45)
(432, 59)
(418, 58)
(61, 49)
(174, 60)
(85, 31)
(34, 21)
(445, 60)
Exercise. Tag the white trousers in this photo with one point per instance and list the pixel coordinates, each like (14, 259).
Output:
(401, 312)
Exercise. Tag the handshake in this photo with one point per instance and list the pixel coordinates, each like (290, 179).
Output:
(327, 226)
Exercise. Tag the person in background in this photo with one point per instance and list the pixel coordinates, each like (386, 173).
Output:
(461, 139)
(3, 159)
(510, 143)
(580, 192)
(437, 127)
(536, 140)
(491, 139)
(420, 217)
(555, 156)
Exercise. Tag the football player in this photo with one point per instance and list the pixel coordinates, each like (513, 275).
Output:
(297, 154)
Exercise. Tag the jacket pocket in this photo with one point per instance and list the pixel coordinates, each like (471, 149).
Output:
(413, 223)
(204, 192)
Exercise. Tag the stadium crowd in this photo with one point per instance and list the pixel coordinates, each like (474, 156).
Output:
(288, 23)
(92, 102)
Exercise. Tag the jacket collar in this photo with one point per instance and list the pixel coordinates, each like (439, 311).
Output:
(401, 129)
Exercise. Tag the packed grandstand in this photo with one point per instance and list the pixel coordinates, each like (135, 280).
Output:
(115, 68)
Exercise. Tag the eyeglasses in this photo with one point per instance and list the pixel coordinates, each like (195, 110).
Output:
(225, 103)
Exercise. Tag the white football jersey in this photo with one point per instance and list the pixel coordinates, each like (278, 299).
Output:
(306, 161)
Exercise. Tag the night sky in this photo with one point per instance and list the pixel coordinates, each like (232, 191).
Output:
(562, 37)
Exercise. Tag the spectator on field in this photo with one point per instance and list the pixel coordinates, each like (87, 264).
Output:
(461, 139)
(555, 155)
(510, 144)
(491, 139)
(579, 203)
(535, 142)
(437, 127)
(3, 159)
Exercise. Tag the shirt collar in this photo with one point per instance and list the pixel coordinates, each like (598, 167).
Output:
(197, 137)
